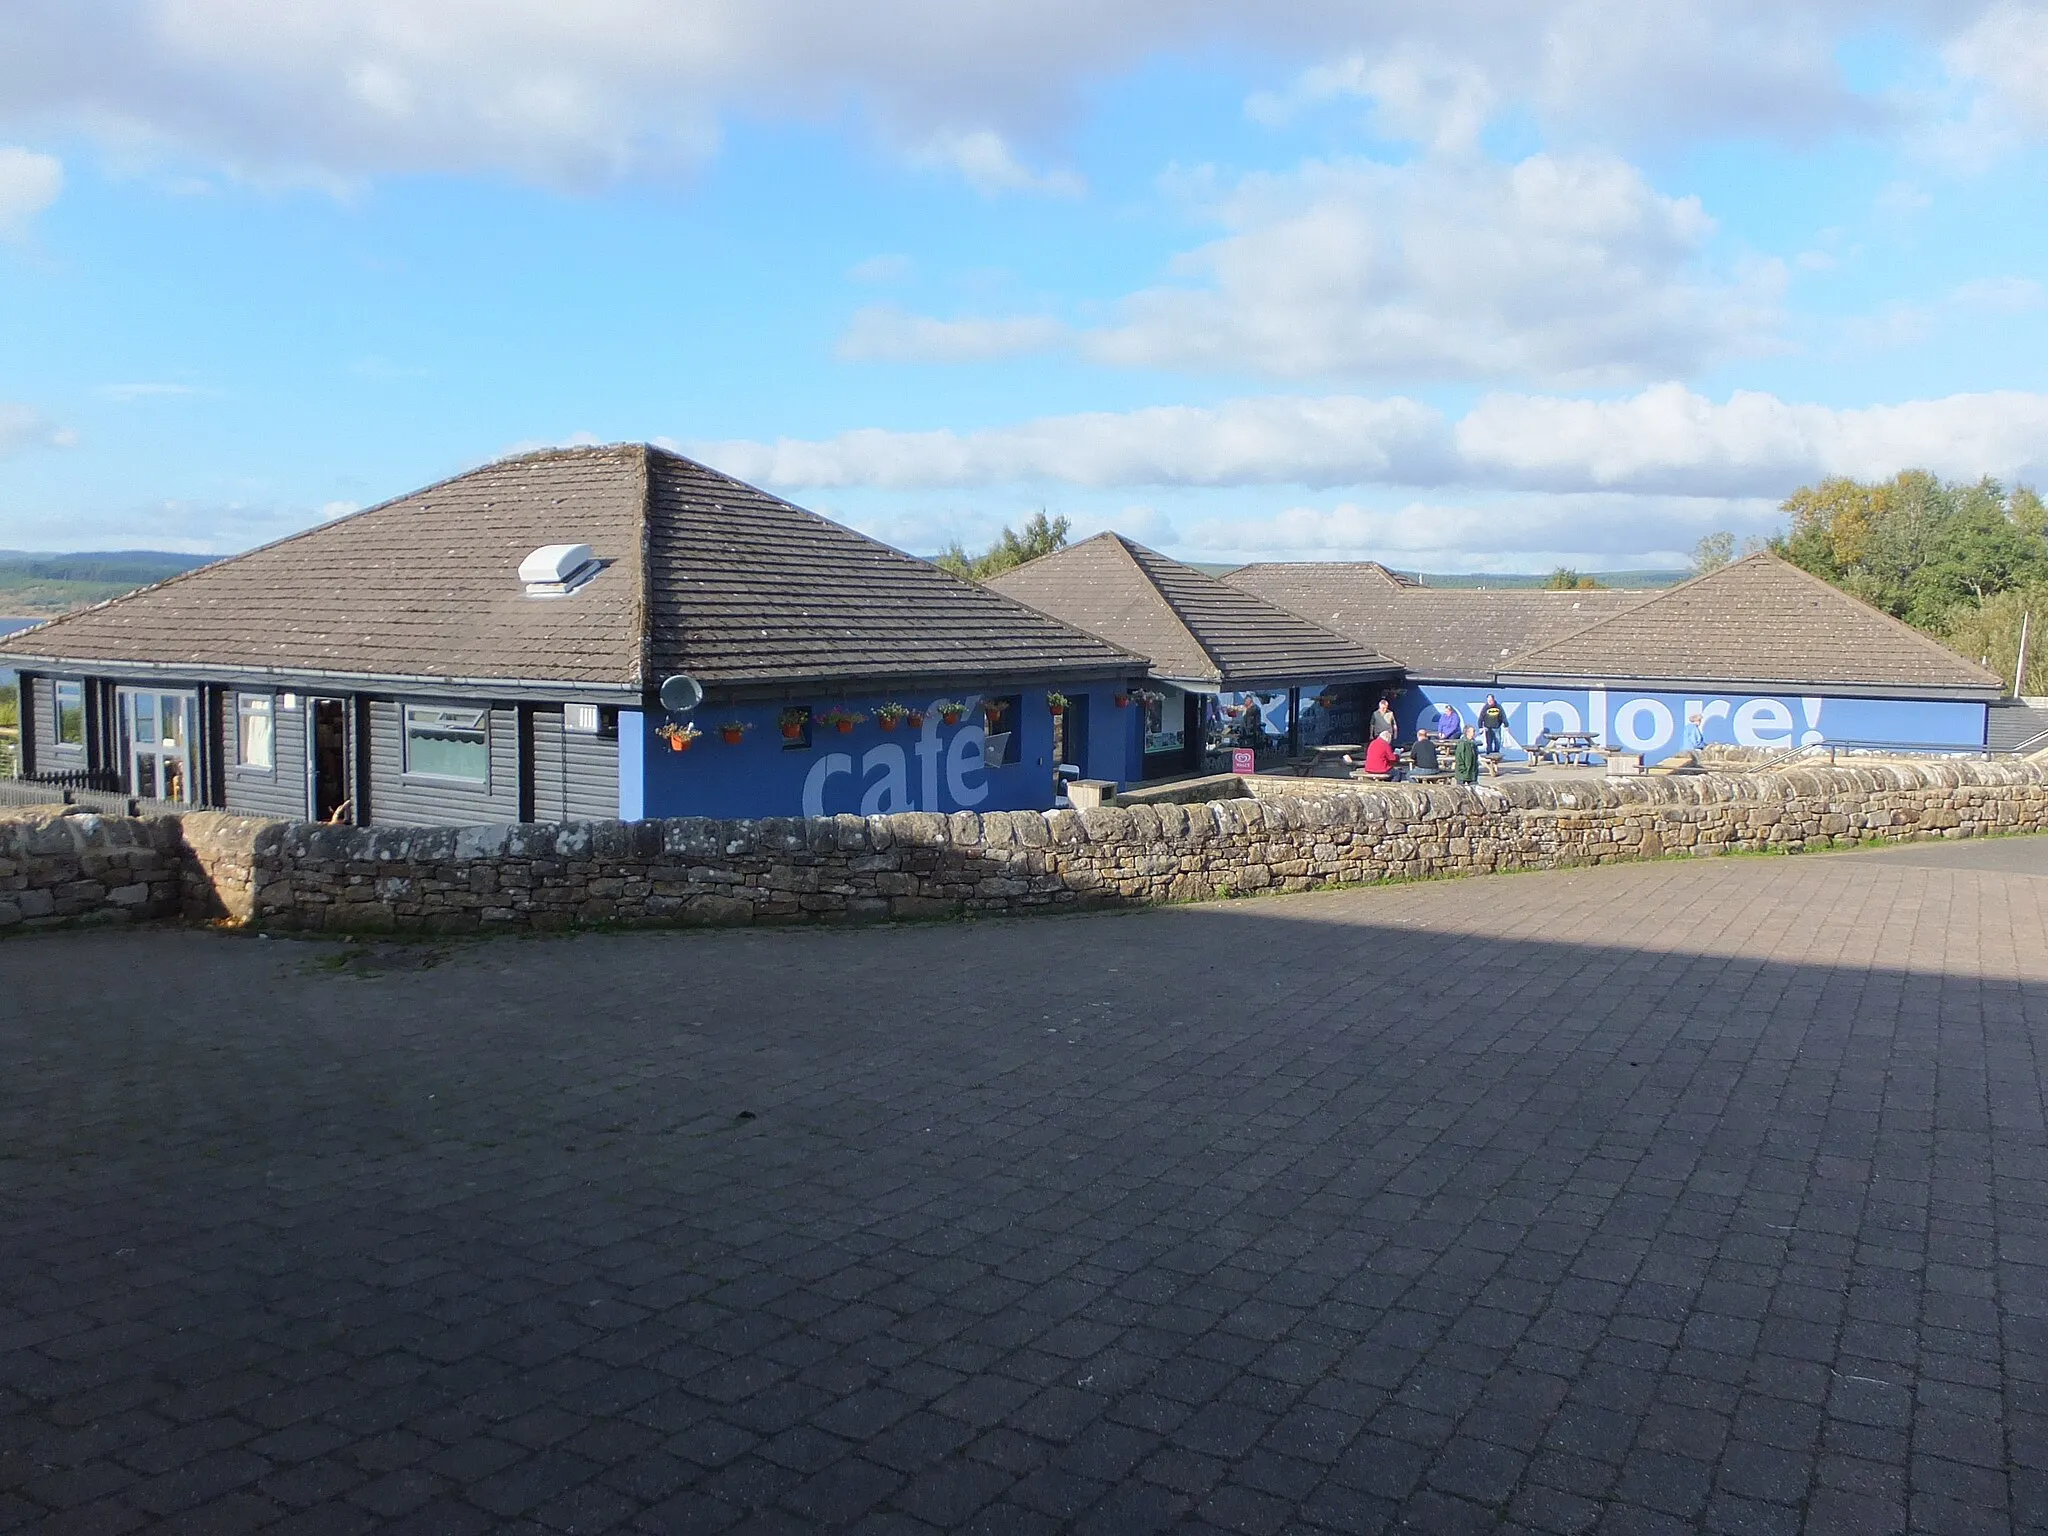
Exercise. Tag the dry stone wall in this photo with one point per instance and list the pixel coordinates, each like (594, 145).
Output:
(1286, 835)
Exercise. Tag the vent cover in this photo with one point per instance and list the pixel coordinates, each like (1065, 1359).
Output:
(554, 570)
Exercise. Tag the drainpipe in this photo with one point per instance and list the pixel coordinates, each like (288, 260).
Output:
(2019, 672)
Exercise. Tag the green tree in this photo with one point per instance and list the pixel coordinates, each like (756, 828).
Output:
(1989, 632)
(1916, 546)
(1041, 535)
(1712, 552)
(1565, 579)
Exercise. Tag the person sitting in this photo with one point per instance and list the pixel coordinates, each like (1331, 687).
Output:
(1450, 725)
(1423, 754)
(1380, 761)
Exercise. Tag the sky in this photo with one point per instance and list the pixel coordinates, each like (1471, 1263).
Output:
(1453, 284)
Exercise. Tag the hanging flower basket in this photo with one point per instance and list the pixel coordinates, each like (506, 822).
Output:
(993, 710)
(793, 722)
(677, 736)
(1058, 703)
(1123, 701)
(733, 732)
(889, 716)
(842, 720)
(950, 711)
(917, 719)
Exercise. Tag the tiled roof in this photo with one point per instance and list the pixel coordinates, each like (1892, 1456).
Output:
(1454, 633)
(1190, 625)
(703, 574)
(1759, 621)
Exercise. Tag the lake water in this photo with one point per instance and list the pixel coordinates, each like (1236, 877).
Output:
(8, 627)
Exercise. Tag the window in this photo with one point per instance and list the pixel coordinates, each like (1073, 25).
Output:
(1166, 727)
(255, 732)
(443, 743)
(579, 719)
(68, 715)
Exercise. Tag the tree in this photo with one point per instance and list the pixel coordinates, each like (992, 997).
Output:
(1712, 552)
(1565, 579)
(1916, 546)
(1989, 632)
(1041, 536)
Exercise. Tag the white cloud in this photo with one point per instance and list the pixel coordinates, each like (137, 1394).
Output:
(886, 334)
(29, 183)
(987, 163)
(23, 427)
(608, 88)
(1559, 269)
(1563, 269)
(1340, 440)
(1669, 439)
(1665, 440)
(1422, 96)
(2002, 58)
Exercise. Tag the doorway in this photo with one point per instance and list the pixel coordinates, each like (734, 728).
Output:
(156, 743)
(1070, 743)
(327, 765)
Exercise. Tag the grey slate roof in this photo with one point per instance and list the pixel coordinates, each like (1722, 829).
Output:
(1451, 633)
(704, 574)
(1191, 626)
(1760, 621)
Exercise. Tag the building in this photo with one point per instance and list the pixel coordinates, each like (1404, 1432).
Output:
(1764, 654)
(1222, 663)
(495, 648)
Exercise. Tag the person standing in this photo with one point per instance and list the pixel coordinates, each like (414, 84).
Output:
(1466, 758)
(1492, 721)
(1383, 726)
(1695, 733)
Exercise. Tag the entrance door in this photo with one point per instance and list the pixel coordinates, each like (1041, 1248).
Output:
(1070, 742)
(156, 740)
(327, 791)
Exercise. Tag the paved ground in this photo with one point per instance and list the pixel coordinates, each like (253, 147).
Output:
(1671, 1198)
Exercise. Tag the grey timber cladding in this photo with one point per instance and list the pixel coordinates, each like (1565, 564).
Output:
(400, 800)
(282, 791)
(702, 574)
(1186, 623)
(575, 775)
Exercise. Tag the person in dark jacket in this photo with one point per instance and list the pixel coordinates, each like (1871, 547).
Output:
(1466, 757)
(1423, 754)
(1492, 721)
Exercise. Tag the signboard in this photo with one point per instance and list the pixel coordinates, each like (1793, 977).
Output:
(1241, 760)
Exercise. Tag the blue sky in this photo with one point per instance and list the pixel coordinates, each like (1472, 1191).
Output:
(1453, 285)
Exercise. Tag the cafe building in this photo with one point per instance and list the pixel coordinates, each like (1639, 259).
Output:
(587, 633)
(1223, 666)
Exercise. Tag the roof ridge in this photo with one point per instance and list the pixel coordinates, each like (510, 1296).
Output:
(1133, 550)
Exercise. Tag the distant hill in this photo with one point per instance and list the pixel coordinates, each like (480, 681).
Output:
(1617, 579)
(38, 586)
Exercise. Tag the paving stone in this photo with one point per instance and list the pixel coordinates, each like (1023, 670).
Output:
(1695, 1196)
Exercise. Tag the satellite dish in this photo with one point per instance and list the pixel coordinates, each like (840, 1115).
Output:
(681, 694)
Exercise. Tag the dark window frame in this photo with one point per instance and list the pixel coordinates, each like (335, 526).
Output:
(57, 742)
(411, 774)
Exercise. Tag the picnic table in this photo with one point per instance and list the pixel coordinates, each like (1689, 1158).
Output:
(1330, 752)
(1567, 748)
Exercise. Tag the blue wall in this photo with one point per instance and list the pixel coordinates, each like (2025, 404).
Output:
(1654, 724)
(867, 772)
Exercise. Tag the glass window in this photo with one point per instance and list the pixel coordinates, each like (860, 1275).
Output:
(443, 743)
(255, 732)
(69, 721)
(1166, 728)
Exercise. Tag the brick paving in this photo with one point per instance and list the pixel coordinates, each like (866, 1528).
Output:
(1678, 1197)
